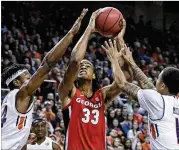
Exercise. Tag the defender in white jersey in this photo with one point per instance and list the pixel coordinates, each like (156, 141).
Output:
(42, 142)
(161, 103)
(15, 126)
(163, 113)
(17, 106)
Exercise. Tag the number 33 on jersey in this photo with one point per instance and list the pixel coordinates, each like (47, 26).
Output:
(84, 121)
(88, 114)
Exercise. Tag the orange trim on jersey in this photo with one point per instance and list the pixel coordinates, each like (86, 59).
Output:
(153, 131)
(21, 123)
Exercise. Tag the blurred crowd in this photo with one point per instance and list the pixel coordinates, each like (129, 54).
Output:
(28, 33)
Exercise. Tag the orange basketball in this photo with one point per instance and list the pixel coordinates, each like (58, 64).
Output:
(109, 22)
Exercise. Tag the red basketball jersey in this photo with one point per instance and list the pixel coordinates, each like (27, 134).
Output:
(85, 123)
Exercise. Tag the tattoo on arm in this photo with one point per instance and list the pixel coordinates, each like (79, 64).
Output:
(143, 80)
(131, 89)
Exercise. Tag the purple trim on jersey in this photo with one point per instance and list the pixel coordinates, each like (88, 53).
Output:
(25, 121)
(177, 129)
(30, 105)
(163, 111)
(3, 116)
(156, 127)
(17, 120)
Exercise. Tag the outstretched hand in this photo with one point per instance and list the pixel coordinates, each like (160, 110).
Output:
(111, 50)
(93, 19)
(77, 23)
(123, 30)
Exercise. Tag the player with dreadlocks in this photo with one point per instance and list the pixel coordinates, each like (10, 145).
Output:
(83, 108)
(16, 118)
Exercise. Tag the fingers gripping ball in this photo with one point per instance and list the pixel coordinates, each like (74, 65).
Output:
(109, 22)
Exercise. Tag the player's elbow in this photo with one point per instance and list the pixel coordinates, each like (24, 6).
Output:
(74, 62)
(75, 56)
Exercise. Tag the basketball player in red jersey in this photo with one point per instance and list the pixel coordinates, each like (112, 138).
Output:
(83, 108)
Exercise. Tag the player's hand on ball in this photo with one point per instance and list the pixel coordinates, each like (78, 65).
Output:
(91, 24)
(123, 30)
(77, 23)
(111, 50)
(120, 36)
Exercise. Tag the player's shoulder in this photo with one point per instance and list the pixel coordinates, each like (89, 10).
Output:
(98, 92)
(146, 96)
(148, 93)
(48, 139)
(13, 92)
(10, 96)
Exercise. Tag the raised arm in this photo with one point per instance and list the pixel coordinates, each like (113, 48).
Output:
(120, 37)
(111, 91)
(50, 60)
(149, 99)
(120, 44)
(78, 53)
(143, 80)
(120, 83)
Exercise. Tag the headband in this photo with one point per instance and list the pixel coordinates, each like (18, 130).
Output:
(15, 75)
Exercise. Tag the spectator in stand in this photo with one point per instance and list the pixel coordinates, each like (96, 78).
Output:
(48, 111)
(137, 116)
(128, 144)
(117, 127)
(58, 134)
(134, 132)
(115, 103)
(118, 115)
(124, 112)
(116, 143)
(144, 132)
(111, 116)
(127, 124)
(146, 144)
(59, 118)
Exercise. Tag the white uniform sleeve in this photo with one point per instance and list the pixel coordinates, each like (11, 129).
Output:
(152, 102)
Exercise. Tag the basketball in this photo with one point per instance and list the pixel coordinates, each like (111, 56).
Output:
(109, 22)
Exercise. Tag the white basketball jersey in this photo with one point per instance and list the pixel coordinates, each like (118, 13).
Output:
(46, 145)
(163, 119)
(15, 126)
(165, 132)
